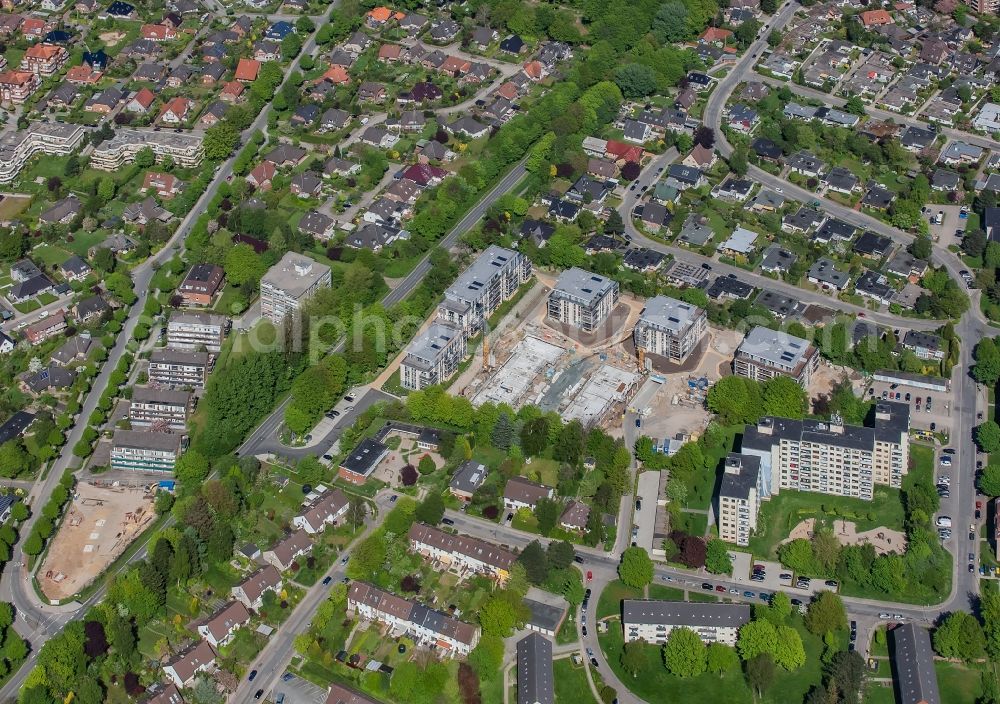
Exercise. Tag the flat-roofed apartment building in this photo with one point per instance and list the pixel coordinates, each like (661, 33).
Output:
(462, 552)
(144, 451)
(739, 498)
(829, 457)
(185, 148)
(178, 367)
(52, 138)
(194, 331)
(582, 299)
(289, 283)
(426, 626)
(670, 328)
(478, 291)
(151, 406)
(765, 354)
(433, 356)
(652, 620)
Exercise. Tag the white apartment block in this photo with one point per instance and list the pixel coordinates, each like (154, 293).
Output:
(185, 148)
(765, 354)
(482, 288)
(670, 328)
(652, 620)
(582, 299)
(152, 407)
(289, 283)
(196, 331)
(433, 356)
(830, 457)
(53, 138)
(178, 368)
(144, 451)
(739, 499)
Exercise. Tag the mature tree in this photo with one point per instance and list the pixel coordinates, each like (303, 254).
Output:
(560, 554)
(987, 367)
(739, 161)
(14, 458)
(633, 657)
(191, 468)
(736, 400)
(636, 569)
(431, 509)
(960, 635)
(717, 560)
(721, 658)
(756, 638)
(426, 465)
(502, 436)
(760, 672)
(547, 514)
(987, 436)
(535, 562)
(220, 140)
(989, 480)
(684, 653)
(243, 265)
(670, 22)
(367, 558)
(535, 436)
(826, 613)
(784, 397)
(635, 80)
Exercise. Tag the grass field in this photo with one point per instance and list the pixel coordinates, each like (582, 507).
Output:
(962, 685)
(609, 603)
(571, 683)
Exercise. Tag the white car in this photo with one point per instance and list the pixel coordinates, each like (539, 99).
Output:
(943, 522)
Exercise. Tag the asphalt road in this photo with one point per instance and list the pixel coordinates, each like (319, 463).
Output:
(34, 620)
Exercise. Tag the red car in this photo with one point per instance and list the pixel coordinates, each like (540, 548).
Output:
(590, 575)
(720, 588)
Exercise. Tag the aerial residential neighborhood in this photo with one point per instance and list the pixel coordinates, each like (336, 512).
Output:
(499, 352)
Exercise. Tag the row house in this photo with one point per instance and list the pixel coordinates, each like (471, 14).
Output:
(461, 553)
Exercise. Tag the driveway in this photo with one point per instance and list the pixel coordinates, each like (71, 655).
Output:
(299, 691)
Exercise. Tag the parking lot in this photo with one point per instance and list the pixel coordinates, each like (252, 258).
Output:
(944, 234)
(776, 577)
(920, 417)
(298, 691)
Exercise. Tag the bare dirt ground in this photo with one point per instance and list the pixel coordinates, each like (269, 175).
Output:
(884, 540)
(829, 375)
(111, 38)
(101, 523)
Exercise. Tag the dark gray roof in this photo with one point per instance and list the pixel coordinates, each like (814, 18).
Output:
(913, 661)
(741, 475)
(15, 426)
(535, 682)
(681, 613)
(469, 476)
(365, 457)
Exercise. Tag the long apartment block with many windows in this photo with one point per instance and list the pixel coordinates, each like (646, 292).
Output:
(194, 331)
(289, 283)
(582, 299)
(482, 288)
(670, 328)
(765, 354)
(830, 457)
(145, 451)
(178, 368)
(652, 620)
(155, 407)
(185, 148)
(739, 498)
(52, 138)
(433, 356)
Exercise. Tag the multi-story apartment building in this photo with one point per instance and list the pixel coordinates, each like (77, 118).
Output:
(670, 328)
(433, 356)
(652, 620)
(154, 407)
(196, 331)
(830, 457)
(201, 284)
(39, 332)
(461, 553)
(289, 283)
(582, 300)
(178, 368)
(479, 290)
(17, 86)
(985, 6)
(144, 451)
(53, 138)
(739, 498)
(765, 354)
(185, 148)
(44, 59)
(426, 626)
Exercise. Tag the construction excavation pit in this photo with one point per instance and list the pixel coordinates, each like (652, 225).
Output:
(102, 521)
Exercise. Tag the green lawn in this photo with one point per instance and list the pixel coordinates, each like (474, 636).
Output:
(50, 255)
(783, 512)
(962, 685)
(571, 683)
(610, 602)
(659, 591)
(876, 693)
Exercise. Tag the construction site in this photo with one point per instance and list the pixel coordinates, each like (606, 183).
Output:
(102, 521)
